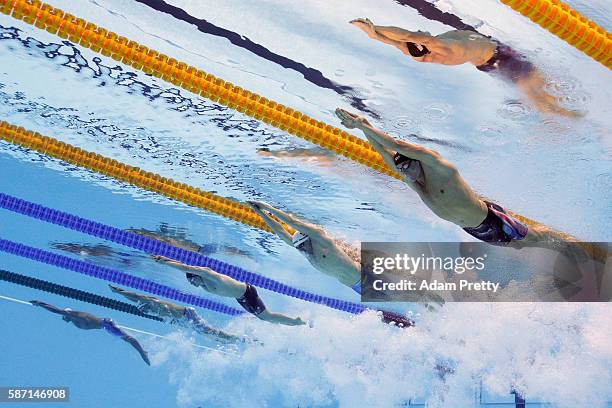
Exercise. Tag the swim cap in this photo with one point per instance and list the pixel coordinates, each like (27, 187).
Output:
(299, 239)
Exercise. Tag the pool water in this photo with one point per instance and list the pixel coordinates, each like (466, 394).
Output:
(306, 56)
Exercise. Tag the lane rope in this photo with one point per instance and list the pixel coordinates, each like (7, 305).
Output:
(159, 336)
(569, 25)
(155, 247)
(135, 176)
(111, 275)
(72, 293)
(192, 79)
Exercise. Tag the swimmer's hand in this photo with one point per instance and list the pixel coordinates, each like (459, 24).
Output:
(116, 289)
(258, 206)
(365, 25)
(351, 120)
(160, 258)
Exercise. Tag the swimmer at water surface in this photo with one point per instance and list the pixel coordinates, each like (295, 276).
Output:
(458, 47)
(173, 313)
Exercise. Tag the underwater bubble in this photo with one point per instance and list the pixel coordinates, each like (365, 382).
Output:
(404, 122)
(575, 100)
(491, 135)
(437, 112)
(339, 72)
(514, 110)
(604, 180)
(395, 185)
(561, 86)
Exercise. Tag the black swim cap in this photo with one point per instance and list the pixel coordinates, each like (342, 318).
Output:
(414, 50)
(190, 276)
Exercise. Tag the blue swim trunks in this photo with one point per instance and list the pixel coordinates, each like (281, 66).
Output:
(111, 327)
(357, 286)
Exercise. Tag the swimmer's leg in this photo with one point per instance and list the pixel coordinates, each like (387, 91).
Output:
(279, 318)
(533, 86)
(134, 343)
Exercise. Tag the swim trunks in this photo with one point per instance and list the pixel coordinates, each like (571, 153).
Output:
(110, 326)
(251, 302)
(498, 228)
(357, 286)
(398, 319)
(509, 63)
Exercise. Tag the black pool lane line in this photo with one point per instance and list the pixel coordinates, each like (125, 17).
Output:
(310, 74)
(431, 12)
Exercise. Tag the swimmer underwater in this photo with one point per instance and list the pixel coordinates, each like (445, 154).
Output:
(86, 321)
(221, 285)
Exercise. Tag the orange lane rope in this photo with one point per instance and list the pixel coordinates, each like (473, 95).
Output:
(569, 25)
(230, 209)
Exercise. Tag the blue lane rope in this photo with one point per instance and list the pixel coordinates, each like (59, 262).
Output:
(112, 275)
(154, 247)
(77, 294)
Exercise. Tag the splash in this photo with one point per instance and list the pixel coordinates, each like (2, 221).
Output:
(532, 348)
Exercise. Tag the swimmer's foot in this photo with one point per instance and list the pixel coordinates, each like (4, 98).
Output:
(351, 120)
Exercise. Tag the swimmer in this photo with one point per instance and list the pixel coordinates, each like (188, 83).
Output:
(88, 321)
(173, 314)
(446, 193)
(225, 286)
(164, 234)
(327, 254)
(458, 47)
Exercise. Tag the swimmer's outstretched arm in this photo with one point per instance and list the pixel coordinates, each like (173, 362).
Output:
(226, 285)
(291, 220)
(277, 227)
(383, 139)
(133, 296)
(51, 308)
(397, 34)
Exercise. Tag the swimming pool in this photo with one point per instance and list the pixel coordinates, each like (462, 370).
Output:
(549, 168)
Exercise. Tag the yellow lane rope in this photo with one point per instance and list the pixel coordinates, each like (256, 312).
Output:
(138, 56)
(569, 25)
(195, 197)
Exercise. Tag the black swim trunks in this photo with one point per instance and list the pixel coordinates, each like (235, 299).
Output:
(398, 319)
(499, 228)
(251, 302)
(508, 63)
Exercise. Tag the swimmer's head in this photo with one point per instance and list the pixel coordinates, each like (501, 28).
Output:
(302, 242)
(409, 168)
(195, 280)
(417, 50)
